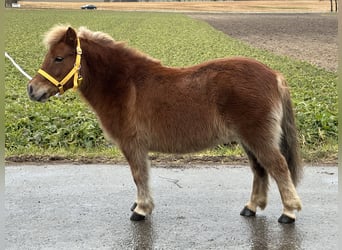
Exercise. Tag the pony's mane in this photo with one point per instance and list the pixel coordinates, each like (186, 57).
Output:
(56, 33)
(97, 36)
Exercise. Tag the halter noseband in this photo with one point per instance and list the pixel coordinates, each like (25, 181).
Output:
(73, 72)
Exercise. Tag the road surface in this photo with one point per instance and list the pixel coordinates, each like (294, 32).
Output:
(87, 207)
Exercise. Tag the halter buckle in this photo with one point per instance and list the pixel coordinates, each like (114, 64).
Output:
(79, 50)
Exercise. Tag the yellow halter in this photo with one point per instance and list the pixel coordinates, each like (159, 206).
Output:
(73, 72)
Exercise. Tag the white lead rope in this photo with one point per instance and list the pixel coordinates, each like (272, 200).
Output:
(21, 70)
(17, 66)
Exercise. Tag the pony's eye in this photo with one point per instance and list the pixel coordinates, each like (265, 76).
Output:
(59, 59)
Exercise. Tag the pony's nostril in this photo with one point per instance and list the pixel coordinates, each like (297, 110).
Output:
(29, 89)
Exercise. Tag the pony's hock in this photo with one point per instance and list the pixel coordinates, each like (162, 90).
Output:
(144, 106)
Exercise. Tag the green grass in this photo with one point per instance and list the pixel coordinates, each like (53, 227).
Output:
(66, 126)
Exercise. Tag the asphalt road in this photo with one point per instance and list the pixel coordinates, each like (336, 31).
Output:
(87, 207)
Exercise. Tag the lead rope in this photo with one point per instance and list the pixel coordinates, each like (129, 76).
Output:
(17, 66)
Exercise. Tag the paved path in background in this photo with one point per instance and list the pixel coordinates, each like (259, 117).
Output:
(87, 207)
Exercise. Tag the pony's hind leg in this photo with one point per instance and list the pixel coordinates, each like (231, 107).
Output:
(140, 171)
(260, 187)
(276, 165)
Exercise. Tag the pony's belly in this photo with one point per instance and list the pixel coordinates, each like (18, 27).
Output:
(189, 144)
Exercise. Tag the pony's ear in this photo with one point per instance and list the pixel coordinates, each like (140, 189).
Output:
(70, 37)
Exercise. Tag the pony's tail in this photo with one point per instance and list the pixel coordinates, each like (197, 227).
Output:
(289, 142)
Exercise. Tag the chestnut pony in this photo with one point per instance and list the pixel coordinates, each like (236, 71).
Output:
(144, 106)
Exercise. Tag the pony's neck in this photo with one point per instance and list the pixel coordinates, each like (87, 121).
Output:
(110, 71)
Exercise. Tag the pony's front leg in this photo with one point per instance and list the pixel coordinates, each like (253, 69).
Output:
(140, 171)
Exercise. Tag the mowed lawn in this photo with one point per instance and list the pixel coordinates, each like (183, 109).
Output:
(66, 126)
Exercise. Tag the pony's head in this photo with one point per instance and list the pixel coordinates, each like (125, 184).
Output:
(60, 69)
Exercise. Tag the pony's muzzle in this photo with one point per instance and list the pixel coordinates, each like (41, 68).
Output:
(38, 92)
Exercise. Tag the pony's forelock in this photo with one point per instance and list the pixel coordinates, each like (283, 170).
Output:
(54, 35)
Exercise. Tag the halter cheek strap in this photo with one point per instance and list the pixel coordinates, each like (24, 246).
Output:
(75, 71)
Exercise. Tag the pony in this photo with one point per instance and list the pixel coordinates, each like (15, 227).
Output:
(144, 106)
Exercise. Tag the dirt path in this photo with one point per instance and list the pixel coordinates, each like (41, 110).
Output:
(219, 6)
(308, 37)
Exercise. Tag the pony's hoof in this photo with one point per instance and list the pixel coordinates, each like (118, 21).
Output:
(284, 219)
(247, 212)
(137, 217)
(134, 206)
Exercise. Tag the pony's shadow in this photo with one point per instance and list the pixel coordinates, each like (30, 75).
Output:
(143, 234)
(264, 237)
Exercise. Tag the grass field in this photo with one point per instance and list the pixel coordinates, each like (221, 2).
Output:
(65, 126)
